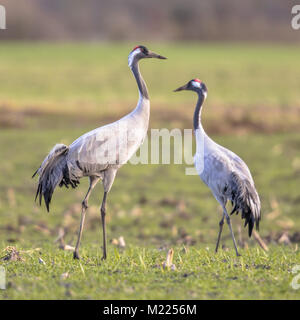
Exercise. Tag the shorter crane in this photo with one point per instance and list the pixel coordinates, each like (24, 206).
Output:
(226, 174)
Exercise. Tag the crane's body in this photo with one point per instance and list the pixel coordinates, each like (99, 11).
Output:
(99, 153)
(110, 146)
(219, 165)
(226, 174)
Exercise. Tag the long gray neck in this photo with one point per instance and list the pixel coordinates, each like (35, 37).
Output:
(197, 113)
(139, 79)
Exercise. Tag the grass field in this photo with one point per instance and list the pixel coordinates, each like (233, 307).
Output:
(252, 108)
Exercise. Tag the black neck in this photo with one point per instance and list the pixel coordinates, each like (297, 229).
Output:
(139, 79)
(197, 113)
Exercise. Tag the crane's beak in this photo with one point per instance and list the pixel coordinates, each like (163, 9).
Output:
(155, 55)
(181, 88)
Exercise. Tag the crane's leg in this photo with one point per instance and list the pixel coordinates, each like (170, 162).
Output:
(221, 223)
(103, 213)
(231, 231)
(93, 182)
(108, 179)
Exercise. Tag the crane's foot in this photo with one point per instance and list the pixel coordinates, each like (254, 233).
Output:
(104, 256)
(76, 255)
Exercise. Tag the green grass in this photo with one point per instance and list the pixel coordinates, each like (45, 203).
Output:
(138, 274)
(154, 207)
(68, 77)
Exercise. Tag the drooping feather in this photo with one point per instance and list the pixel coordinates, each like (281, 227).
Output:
(246, 201)
(51, 173)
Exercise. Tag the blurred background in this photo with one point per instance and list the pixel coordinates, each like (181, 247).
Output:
(63, 72)
(170, 20)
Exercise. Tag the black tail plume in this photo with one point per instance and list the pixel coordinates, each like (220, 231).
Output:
(51, 173)
(246, 200)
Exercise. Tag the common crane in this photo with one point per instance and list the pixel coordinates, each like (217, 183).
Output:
(98, 154)
(223, 172)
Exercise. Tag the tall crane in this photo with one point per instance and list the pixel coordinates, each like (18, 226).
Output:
(98, 154)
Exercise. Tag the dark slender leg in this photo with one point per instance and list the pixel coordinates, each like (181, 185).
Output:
(232, 235)
(93, 182)
(103, 212)
(221, 223)
(83, 212)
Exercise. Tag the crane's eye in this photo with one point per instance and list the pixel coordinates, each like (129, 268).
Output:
(144, 50)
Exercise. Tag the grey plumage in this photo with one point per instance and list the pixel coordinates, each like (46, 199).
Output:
(223, 171)
(98, 154)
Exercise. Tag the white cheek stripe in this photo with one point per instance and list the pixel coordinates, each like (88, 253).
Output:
(132, 55)
(196, 84)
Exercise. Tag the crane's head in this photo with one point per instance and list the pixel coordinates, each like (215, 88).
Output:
(194, 85)
(141, 52)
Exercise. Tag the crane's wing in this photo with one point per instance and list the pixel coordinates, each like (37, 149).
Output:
(59, 149)
(238, 163)
(246, 200)
(51, 173)
(93, 151)
(109, 145)
(244, 196)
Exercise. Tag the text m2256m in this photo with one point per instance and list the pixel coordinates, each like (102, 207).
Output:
(172, 309)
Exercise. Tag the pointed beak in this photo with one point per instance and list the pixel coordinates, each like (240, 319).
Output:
(181, 88)
(155, 55)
